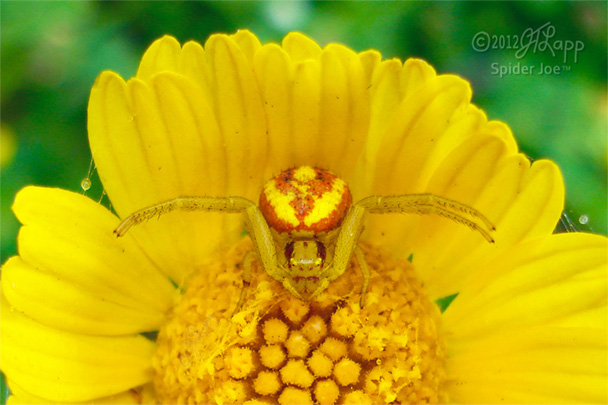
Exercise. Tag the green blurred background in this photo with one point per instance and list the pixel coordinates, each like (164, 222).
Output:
(52, 52)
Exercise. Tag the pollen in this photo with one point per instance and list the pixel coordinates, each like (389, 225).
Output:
(278, 349)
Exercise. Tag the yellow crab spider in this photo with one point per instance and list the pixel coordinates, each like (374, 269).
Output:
(306, 229)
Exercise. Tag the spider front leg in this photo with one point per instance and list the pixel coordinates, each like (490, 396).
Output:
(217, 204)
(431, 204)
(255, 224)
(346, 245)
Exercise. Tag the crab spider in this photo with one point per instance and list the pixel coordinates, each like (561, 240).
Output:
(306, 228)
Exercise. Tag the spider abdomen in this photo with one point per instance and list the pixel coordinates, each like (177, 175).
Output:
(305, 199)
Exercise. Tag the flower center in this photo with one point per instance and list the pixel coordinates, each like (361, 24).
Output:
(278, 349)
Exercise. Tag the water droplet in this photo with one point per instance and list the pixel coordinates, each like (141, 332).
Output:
(583, 219)
(85, 184)
(13, 285)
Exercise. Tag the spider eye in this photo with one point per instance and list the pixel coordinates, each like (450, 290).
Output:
(321, 251)
(289, 251)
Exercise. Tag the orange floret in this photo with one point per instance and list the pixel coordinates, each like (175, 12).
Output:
(239, 362)
(319, 364)
(314, 329)
(283, 350)
(272, 356)
(357, 398)
(231, 392)
(275, 331)
(295, 372)
(334, 348)
(297, 345)
(347, 372)
(344, 322)
(295, 310)
(291, 395)
(257, 401)
(326, 392)
(267, 383)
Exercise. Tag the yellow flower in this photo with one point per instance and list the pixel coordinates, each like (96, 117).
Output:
(528, 323)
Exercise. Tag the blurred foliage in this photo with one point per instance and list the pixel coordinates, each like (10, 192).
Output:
(52, 52)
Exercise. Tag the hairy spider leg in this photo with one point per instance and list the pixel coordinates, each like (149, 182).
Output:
(346, 244)
(427, 204)
(255, 224)
(352, 227)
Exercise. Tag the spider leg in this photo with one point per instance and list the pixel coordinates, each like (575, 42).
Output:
(218, 204)
(346, 244)
(431, 204)
(255, 224)
(247, 276)
(366, 274)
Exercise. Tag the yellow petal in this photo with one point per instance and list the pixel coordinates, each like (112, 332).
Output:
(66, 367)
(195, 66)
(370, 60)
(300, 47)
(141, 395)
(462, 177)
(524, 202)
(409, 151)
(415, 73)
(306, 112)
(467, 175)
(477, 165)
(413, 146)
(537, 204)
(344, 115)
(67, 305)
(275, 73)
(73, 273)
(145, 156)
(163, 54)
(240, 115)
(391, 83)
(549, 365)
(248, 43)
(119, 153)
(385, 96)
(317, 109)
(531, 326)
(534, 283)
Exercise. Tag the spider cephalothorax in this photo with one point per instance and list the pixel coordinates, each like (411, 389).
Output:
(303, 207)
(306, 229)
